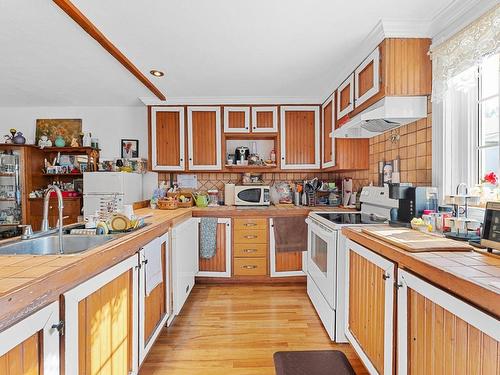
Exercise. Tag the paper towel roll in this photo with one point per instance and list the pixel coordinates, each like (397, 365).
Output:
(229, 194)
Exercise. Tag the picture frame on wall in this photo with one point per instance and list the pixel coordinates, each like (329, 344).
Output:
(129, 148)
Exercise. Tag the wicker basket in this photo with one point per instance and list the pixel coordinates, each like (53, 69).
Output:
(187, 194)
(164, 204)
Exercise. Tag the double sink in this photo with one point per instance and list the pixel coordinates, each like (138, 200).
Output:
(49, 244)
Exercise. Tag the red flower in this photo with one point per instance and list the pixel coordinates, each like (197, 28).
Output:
(491, 178)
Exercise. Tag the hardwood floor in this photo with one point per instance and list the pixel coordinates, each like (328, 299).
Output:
(235, 329)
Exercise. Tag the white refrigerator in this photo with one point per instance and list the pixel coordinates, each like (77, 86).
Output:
(110, 190)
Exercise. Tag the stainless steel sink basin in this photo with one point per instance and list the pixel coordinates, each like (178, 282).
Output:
(49, 245)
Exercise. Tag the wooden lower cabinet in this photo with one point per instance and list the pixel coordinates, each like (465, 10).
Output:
(156, 307)
(101, 322)
(370, 307)
(31, 347)
(440, 334)
(250, 237)
(220, 264)
(285, 264)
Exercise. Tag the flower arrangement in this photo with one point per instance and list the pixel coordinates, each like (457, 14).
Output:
(490, 178)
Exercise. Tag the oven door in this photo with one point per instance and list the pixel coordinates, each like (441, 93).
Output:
(321, 259)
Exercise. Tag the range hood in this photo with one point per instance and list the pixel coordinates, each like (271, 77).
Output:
(388, 113)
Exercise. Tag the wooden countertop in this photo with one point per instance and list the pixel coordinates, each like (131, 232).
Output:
(30, 282)
(271, 211)
(472, 276)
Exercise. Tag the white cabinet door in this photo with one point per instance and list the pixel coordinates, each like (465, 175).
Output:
(300, 137)
(211, 267)
(34, 342)
(167, 138)
(185, 260)
(327, 128)
(265, 119)
(441, 334)
(236, 119)
(370, 307)
(101, 320)
(154, 309)
(272, 257)
(204, 138)
(367, 78)
(345, 97)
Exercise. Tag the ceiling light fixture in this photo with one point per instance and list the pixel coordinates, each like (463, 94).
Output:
(157, 73)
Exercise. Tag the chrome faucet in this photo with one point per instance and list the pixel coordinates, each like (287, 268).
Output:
(60, 206)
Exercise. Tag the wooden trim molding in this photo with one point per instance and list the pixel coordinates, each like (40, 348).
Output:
(71, 10)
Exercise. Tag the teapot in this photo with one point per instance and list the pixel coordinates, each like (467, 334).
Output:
(201, 200)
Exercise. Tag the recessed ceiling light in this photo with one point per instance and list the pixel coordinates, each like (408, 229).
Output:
(157, 73)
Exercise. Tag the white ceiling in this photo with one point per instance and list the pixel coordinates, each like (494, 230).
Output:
(217, 48)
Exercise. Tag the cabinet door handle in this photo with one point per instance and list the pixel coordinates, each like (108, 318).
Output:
(250, 250)
(250, 224)
(250, 237)
(249, 267)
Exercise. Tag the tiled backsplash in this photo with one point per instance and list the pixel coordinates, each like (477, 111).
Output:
(413, 148)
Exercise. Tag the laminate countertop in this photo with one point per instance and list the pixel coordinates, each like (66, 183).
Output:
(471, 276)
(270, 211)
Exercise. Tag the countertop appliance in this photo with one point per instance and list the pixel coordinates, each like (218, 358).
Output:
(251, 196)
(491, 229)
(326, 255)
(109, 191)
(412, 201)
(242, 153)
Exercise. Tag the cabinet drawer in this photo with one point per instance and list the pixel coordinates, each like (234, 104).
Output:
(250, 266)
(250, 250)
(250, 236)
(255, 224)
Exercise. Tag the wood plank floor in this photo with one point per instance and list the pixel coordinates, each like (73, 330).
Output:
(235, 329)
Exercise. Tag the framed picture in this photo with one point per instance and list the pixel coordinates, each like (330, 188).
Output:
(130, 148)
(52, 128)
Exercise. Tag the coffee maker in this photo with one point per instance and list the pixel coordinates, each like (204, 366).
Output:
(412, 202)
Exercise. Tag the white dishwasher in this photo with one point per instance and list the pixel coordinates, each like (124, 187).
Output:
(184, 260)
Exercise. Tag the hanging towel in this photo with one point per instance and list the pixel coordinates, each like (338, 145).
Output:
(208, 237)
(153, 266)
(290, 234)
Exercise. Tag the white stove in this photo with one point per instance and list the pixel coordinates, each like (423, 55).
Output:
(326, 255)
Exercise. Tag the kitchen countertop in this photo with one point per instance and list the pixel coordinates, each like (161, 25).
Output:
(472, 276)
(30, 282)
(271, 211)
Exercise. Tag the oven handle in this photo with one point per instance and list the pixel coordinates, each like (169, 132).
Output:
(317, 227)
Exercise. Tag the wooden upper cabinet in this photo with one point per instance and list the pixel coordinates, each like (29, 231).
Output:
(327, 140)
(265, 119)
(345, 97)
(236, 119)
(300, 137)
(167, 138)
(367, 78)
(204, 138)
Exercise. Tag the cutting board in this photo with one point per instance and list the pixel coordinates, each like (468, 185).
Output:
(415, 241)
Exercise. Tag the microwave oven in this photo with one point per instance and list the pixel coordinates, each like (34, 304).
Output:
(251, 196)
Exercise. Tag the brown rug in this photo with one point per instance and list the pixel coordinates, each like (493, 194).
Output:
(312, 362)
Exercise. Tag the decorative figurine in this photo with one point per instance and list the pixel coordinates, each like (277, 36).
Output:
(74, 142)
(44, 141)
(7, 139)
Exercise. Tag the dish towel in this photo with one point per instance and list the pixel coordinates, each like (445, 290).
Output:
(208, 237)
(290, 234)
(154, 274)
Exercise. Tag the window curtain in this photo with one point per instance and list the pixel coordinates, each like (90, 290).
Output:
(454, 101)
(465, 49)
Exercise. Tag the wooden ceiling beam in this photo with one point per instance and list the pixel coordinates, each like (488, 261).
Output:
(71, 10)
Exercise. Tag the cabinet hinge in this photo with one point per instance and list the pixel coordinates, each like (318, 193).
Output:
(60, 327)
(398, 285)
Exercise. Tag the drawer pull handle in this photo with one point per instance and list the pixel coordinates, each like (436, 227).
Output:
(250, 250)
(250, 224)
(249, 267)
(250, 237)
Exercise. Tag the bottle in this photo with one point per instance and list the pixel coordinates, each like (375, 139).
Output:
(87, 140)
(273, 156)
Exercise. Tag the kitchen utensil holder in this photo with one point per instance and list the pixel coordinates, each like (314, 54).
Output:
(311, 199)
